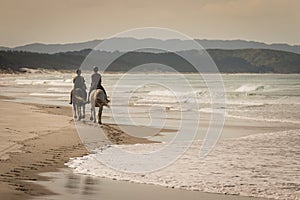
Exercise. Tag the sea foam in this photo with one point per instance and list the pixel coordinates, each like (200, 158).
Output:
(265, 165)
(249, 88)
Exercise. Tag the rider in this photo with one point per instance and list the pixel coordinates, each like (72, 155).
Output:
(79, 82)
(94, 80)
(99, 85)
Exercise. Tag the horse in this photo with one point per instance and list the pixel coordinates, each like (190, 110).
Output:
(97, 99)
(78, 99)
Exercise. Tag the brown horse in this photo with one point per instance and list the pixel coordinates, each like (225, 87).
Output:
(78, 99)
(97, 99)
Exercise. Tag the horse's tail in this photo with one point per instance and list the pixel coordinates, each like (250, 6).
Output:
(79, 96)
(100, 98)
(106, 104)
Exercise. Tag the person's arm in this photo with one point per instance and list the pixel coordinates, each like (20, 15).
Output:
(92, 81)
(83, 82)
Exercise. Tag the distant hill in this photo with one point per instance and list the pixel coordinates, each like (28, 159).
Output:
(228, 61)
(4, 48)
(256, 61)
(242, 44)
(174, 45)
(57, 48)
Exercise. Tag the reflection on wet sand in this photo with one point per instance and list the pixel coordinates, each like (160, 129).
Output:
(84, 185)
(69, 186)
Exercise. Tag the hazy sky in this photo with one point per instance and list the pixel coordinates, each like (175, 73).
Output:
(64, 21)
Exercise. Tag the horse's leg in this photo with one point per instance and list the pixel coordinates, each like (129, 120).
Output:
(80, 108)
(94, 114)
(79, 112)
(91, 118)
(90, 99)
(100, 114)
(74, 110)
(83, 110)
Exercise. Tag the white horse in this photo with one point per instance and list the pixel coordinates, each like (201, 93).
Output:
(78, 103)
(97, 99)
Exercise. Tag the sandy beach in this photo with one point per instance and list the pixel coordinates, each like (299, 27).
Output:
(171, 100)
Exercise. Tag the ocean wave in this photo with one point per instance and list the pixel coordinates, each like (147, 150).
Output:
(264, 119)
(59, 90)
(48, 94)
(249, 88)
(214, 110)
(43, 82)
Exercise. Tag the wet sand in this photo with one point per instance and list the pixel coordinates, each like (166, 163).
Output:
(77, 187)
(38, 138)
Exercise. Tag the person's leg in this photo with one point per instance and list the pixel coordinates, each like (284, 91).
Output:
(89, 96)
(85, 94)
(102, 88)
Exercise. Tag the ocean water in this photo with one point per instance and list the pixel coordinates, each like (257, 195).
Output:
(262, 97)
(261, 165)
